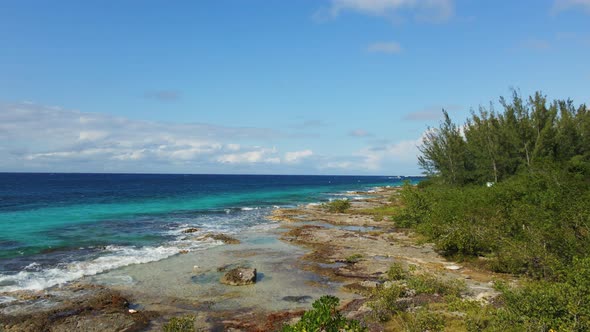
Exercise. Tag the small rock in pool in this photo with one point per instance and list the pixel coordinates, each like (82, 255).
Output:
(297, 299)
(239, 276)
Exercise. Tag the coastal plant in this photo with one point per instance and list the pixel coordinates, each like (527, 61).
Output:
(180, 324)
(396, 272)
(337, 206)
(354, 258)
(384, 302)
(422, 320)
(325, 317)
(431, 284)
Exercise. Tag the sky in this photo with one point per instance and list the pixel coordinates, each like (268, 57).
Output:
(268, 87)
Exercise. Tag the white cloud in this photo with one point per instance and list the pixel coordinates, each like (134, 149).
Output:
(378, 157)
(40, 138)
(421, 10)
(259, 155)
(92, 135)
(359, 133)
(561, 5)
(297, 156)
(390, 47)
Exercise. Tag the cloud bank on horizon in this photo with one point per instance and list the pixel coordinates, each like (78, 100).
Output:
(42, 138)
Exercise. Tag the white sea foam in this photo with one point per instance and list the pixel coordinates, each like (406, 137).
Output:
(6, 299)
(249, 208)
(117, 257)
(265, 227)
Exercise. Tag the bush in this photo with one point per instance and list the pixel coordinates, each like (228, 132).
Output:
(424, 320)
(396, 272)
(384, 301)
(339, 205)
(180, 324)
(355, 258)
(430, 284)
(325, 317)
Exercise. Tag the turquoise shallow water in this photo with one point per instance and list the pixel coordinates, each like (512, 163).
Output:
(88, 223)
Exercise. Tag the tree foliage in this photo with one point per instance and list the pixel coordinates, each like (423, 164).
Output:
(534, 221)
(492, 146)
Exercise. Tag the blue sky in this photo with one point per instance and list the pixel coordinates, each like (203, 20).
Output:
(275, 87)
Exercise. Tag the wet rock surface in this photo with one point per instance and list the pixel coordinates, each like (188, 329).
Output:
(298, 299)
(221, 237)
(79, 308)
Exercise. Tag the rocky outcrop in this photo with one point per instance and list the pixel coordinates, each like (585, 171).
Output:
(221, 237)
(95, 309)
(239, 276)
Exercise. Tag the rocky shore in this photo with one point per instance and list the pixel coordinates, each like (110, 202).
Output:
(347, 253)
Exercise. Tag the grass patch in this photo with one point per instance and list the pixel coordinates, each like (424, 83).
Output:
(180, 324)
(355, 258)
(337, 206)
(381, 212)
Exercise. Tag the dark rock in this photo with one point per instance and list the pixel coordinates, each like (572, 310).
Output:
(190, 230)
(297, 299)
(239, 276)
(98, 310)
(222, 237)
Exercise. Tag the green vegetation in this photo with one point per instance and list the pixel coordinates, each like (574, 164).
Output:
(338, 205)
(381, 212)
(180, 324)
(525, 137)
(325, 317)
(354, 258)
(511, 189)
(397, 295)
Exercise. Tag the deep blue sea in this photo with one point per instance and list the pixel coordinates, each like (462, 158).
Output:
(56, 228)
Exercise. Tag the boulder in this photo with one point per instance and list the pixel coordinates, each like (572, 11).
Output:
(239, 276)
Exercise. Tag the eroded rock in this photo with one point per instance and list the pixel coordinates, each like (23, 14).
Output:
(239, 276)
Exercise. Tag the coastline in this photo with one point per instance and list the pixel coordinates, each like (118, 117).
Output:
(305, 251)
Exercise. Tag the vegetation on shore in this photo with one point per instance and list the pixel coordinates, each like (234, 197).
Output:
(509, 191)
(325, 317)
(337, 206)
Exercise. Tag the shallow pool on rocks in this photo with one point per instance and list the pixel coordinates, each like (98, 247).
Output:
(194, 277)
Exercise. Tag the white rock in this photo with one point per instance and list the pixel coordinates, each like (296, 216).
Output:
(453, 267)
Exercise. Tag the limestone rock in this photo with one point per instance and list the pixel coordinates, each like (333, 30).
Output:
(239, 276)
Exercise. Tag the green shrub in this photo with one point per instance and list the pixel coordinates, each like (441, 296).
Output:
(430, 284)
(355, 258)
(384, 301)
(338, 205)
(425, 320)
(325, 317)
(396, 272)
(180, 324)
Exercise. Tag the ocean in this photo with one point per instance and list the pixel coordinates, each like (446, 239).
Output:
(56, 228)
